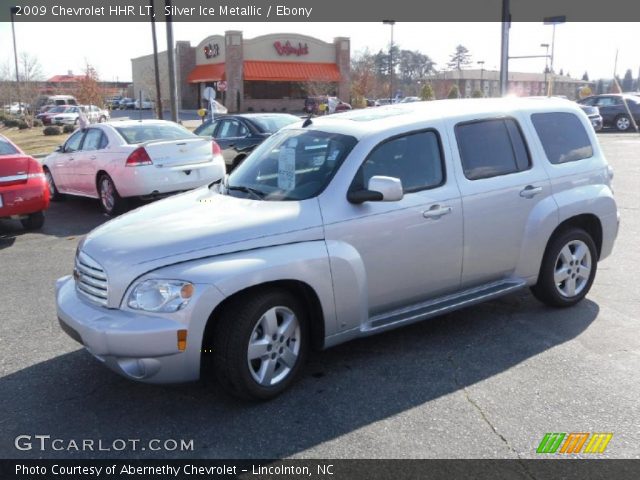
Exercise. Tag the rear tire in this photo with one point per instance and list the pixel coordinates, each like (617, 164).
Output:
(110, 200)
(568, 269)
(260, 343)
(34, 221)
(622, 123)
(54, 194)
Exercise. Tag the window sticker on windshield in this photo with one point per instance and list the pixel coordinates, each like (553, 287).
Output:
(287, 169)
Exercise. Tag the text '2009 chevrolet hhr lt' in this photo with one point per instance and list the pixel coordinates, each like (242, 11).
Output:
(344, 226)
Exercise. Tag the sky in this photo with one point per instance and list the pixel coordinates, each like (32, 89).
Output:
(109, 47)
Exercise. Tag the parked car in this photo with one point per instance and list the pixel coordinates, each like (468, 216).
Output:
(113, 102)
(71, 115)
(15, 108)
(312, 104)
(147, 158)
(46, 116)
(372, 103)
(594, 116)
(23, 190)
(238, 135)
(127, 104)
(410, 100)
(343, 227)
(46, 102)
(613, 111)
(146, 105)
(384, 101)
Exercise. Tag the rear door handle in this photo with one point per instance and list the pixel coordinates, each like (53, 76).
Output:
(92, 157)
(530, 191)
(436, 211)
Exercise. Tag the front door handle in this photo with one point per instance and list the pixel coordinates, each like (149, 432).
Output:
(530, 191)
(436, 211)
(92, 157)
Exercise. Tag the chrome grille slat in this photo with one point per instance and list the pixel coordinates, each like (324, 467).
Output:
(91, 280)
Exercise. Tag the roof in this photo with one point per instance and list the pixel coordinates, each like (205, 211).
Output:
(207, 73)
(370, 121)
(65, 78)
(291, 71)
(476, 74)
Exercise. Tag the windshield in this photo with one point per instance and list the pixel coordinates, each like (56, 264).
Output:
(273, 123)
(291, 165)
(145, 132)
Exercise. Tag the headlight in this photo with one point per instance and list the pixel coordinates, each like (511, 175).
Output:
(161, 295)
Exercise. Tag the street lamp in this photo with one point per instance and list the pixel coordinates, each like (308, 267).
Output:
(546, 64)
(558, 19)
(14, 10)
(392, 23)
(481, 63)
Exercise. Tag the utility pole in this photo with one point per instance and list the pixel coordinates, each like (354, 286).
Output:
(14, 10)
(504, 51)
(172, 63)
(392, 23)
(155, 62)
(481, 63)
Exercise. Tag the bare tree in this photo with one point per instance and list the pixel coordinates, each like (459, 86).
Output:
(30, 76)
(89, 90)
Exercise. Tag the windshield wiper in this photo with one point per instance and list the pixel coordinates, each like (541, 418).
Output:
(252, 191)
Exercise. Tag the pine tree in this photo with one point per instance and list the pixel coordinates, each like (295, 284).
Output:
(460, 58)
(585, 77)
(427, 92)
(454, 92)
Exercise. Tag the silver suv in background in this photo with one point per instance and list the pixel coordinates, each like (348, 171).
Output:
(345, 226)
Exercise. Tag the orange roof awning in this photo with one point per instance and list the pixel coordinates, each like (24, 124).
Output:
(206, 73)
(291, 71)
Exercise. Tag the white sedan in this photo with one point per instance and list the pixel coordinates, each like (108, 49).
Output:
(116, 161)
(71, 116)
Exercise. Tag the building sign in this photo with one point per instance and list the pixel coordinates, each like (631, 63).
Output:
(288, 49)
(211, 50)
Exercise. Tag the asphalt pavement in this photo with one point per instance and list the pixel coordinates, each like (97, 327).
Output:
(484, 382)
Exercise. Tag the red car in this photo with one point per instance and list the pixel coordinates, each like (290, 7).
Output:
(24, 193)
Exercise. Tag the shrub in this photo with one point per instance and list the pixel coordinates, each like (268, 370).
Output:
(52, 130)
(477, 94)
(37, 122)
(427, 92)
(68, 128)
(454, 92)
(10, 122)
(22, 125)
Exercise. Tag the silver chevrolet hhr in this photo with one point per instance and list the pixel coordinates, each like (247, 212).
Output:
(345, 226)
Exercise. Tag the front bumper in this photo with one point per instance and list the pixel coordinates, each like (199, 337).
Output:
(596, 122)
(139, 347)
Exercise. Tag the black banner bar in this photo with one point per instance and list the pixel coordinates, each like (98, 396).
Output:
(568, 469)
(319, 11)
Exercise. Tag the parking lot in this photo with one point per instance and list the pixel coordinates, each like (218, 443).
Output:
(487, 381)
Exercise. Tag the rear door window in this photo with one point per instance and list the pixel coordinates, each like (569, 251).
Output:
(490, 148)
(563, 136)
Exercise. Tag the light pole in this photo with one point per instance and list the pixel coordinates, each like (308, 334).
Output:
(14, 10)
(481, 63)
(553, 21)
(392, 23)
(546, 64)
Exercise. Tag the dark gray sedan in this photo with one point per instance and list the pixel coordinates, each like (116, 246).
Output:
(239, 134)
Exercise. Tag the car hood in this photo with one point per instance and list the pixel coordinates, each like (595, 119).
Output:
(194, 225)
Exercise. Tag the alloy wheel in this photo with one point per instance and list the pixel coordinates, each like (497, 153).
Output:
(274, 346)
(572, 268)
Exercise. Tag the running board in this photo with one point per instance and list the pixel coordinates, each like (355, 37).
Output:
(438, 306)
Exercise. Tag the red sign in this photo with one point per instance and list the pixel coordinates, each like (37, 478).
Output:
(288, 49)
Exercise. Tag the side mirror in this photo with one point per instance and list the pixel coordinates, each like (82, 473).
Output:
(380, 189)
(60, 148)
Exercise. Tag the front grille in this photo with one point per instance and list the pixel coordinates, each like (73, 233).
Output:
(91, 280)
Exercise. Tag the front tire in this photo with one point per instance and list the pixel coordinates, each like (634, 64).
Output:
(110, 200)
(568, 269)
(260, 344)
(34, 221)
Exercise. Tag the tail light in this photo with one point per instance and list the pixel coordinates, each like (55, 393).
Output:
(138, 157)
(35, 169)
(215, 148)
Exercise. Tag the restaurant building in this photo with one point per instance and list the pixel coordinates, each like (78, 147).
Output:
(274, 72)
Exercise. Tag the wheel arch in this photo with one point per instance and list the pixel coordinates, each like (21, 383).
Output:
(298, 288)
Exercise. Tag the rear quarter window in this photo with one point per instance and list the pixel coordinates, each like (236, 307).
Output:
(563, 137)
